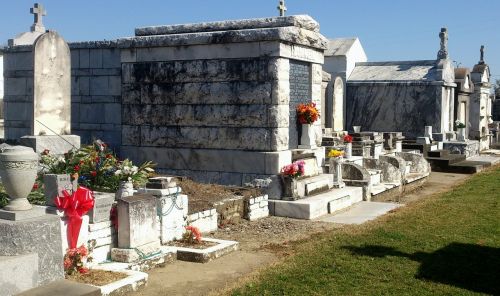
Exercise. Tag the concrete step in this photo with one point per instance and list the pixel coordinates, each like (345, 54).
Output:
(18, 273)
(318, 205)
(63, 288)
(412, 177)
(383, 187)
(317, 184)
(375, 176)
(438, 153)
(442, 164)
(361, 212)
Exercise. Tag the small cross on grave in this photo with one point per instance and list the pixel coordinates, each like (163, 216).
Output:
(38, 11)
(282, 8)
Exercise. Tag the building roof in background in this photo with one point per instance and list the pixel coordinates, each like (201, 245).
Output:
(425, 70)
(339, 46)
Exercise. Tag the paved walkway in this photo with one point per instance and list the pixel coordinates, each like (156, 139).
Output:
(361, 212)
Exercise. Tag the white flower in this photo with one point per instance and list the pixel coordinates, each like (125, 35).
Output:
(118, 172)
(134, 169)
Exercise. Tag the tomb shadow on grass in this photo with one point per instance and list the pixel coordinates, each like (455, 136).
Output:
(468, 266)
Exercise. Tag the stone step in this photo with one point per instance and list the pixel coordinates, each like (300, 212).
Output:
(18, 273)
(412, 177)
(375, 176)
(361, 212)
(355, 159)
(383, 187)
(63, 288)
(318, 205)
(438, 153)
(318, 184)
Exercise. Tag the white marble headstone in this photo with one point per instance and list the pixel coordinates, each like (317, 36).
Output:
(52, 86)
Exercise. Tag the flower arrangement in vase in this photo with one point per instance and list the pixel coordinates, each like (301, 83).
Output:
(307, 114)
(348, 146)
(335, 153)
(293, 170)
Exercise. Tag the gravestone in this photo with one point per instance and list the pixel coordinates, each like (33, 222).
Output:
(103, 201)
(137, 221)
(137, 229)
(51, 122)
(55, 184)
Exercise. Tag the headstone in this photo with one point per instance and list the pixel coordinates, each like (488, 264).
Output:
(52, 86)
(161, 183)
(103, 201)
(54, 186)
(137, 224)
(173, 212)
(51, 123)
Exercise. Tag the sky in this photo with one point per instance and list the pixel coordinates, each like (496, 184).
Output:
(389, 30)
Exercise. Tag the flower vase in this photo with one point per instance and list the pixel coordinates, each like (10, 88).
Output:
(290, 191)
(308, 137)
(348, 150)
(18, 170)
(125, 189)
(357, 128)
(336, 170)
(461, 134)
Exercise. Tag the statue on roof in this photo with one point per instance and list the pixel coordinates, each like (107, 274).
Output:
(443, 52)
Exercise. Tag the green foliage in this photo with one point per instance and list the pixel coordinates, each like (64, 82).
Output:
(442, 245)
(36, 197)
(96, 167)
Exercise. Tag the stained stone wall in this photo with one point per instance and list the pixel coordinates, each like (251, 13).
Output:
(407, 108)
(211, 104)
(95, 91)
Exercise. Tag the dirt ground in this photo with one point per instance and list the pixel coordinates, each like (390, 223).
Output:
(262, 243)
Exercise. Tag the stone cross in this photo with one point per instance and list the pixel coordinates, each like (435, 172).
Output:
(443, 52)
(282, 8)
(481, 59)
(38, 11)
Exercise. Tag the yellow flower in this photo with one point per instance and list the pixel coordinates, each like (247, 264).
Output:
(335, 153)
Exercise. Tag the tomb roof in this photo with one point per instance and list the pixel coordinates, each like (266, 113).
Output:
(425, 70)
(301, 21)
(340, 46)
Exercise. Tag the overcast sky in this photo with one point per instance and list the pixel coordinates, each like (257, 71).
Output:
(388, 29)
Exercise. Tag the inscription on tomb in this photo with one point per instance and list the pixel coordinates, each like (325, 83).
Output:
(300, 92)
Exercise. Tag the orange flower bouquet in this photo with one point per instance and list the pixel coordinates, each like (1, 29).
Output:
(307, 113)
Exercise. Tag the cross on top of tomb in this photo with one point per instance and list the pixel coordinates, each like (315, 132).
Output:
(38, 11)
(481, 59)
(443, 52)
(282, 8)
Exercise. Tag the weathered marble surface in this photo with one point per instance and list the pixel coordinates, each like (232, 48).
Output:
(288, 34)
(386, 107)
(421, 71)
(52, 86)
(300, 21)
(40, 235)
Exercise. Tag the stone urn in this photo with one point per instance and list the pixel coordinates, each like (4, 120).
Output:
(356, 128)
(18, 169)
(125, 189)
(308, 137)
(348, 150)
(336, 170)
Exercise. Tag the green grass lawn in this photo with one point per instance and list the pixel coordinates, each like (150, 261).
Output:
(447, 244)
